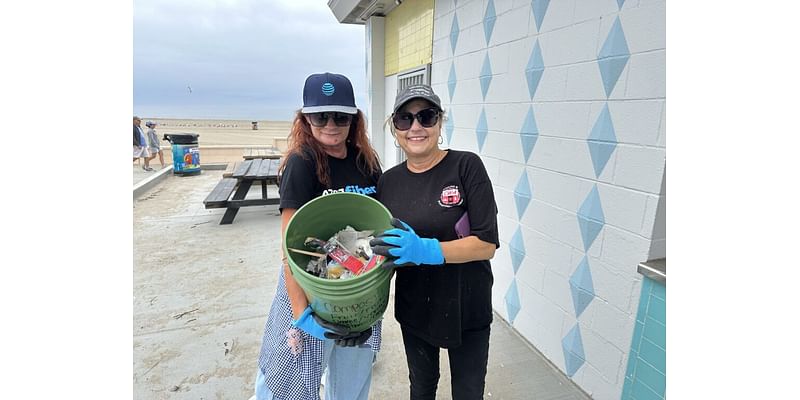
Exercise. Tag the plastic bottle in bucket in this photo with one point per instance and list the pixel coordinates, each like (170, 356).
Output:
(356, 302)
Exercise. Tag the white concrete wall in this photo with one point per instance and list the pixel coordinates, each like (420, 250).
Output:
(389, 148)
(374, 31)
(567, 104)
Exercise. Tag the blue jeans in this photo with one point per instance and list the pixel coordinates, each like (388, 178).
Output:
(348, 377)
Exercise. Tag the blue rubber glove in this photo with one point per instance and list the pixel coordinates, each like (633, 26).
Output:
(317, 327)
(405, 245)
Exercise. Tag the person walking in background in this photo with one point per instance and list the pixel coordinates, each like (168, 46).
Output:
(445, 234)
(140, 148)
(152, 139)
(329, 151)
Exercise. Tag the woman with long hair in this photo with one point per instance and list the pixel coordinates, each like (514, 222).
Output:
(329, 152)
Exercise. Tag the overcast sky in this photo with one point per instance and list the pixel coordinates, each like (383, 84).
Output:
(242, 59)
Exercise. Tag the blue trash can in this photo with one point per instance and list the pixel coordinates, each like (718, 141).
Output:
(185, 153)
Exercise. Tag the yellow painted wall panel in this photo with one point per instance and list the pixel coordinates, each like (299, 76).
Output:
(408, 39)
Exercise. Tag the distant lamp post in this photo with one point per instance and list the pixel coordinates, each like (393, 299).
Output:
(255, 125)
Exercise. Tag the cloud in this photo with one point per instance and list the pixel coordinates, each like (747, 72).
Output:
(243, 59)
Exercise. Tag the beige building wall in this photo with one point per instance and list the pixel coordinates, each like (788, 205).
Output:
(408, 36)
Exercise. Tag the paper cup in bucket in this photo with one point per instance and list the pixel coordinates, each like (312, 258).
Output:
(356, 302)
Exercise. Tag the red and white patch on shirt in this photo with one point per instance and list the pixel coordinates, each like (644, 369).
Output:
(450, 197)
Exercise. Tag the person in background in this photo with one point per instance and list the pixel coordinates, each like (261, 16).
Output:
(152, 139)
(329, 151)
(140, 148)
(445, 234)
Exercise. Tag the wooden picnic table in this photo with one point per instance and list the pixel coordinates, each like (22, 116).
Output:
(260, 152)
(263, 170)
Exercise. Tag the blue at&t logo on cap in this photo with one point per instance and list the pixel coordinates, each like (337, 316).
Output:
(328, 89)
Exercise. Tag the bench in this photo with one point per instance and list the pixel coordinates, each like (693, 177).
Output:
(230, 169)
(237, 180)
(218, 198)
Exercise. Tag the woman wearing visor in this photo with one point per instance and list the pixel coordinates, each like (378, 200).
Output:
(329, 151)
(445, 233)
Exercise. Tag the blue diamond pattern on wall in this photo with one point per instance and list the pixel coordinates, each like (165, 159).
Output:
(602, 141)
(454, 33)
(448, 127)
(572, 345)
(522, 194)
(482, 130)
(451, 81)
(512, 301)
(620, 3)
(517, 249)
(590, 218)
(486, 75)
(488, 21)
(613, 56)
(529, 134)
(539, 8)
(534, 69)
(580, 284)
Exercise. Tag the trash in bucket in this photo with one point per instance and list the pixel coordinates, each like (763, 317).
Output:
(349, 252)
(359, 301)
(185, 153)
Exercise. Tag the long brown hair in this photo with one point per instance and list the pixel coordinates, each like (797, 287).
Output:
(302, 141)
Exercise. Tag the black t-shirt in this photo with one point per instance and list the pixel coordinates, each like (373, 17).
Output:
(439, 302)
(299, 183)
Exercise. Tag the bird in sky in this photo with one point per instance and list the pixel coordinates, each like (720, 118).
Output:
(190, 89)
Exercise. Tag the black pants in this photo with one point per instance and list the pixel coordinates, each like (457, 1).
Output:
(467, 365)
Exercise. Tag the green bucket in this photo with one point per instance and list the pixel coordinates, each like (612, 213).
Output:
(356, 302)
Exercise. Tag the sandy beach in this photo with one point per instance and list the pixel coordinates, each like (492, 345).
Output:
(222, 132)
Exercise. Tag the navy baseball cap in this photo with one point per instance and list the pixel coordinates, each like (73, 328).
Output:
(328, 92)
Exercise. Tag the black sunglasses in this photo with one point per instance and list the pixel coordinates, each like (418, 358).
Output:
(427, 118)
(320, 119)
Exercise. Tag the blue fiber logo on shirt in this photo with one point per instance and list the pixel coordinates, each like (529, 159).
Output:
(328, 89)
(352, 189)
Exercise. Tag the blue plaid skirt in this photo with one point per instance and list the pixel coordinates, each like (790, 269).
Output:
(291, 359)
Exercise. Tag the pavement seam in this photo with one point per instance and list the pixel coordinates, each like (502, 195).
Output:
(143, 334)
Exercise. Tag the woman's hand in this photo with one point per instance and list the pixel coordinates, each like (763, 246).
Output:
(317, 327)
(406, 247)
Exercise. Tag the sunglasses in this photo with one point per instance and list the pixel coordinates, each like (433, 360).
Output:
(427, 118)
(320, 119)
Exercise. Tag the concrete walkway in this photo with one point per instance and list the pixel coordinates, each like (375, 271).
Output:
(140, 174)
(201, 295)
